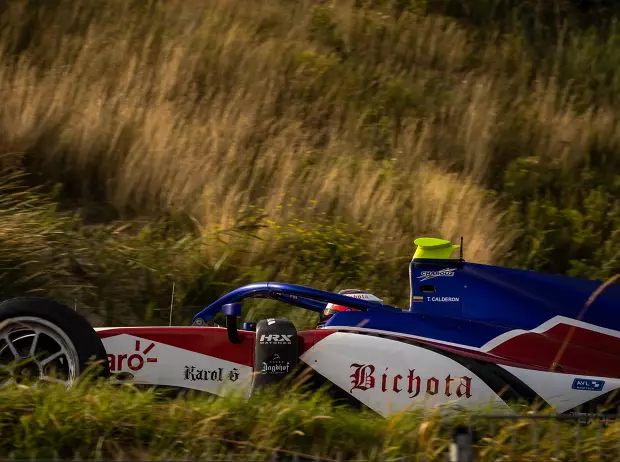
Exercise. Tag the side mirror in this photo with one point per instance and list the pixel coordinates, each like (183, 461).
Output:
(232, 311)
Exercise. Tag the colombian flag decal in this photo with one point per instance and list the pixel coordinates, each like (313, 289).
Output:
(418, 299)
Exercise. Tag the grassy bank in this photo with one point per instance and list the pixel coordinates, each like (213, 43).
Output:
(207, 144)
(108, 423)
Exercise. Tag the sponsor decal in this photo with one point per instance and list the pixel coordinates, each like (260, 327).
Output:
(418, 299)
(364, 297)
(275, 366)
(444, 273)
(192, 373)
(271, 321)
(275, 339)
(443, 299)
(135, 361)
(588, 385)
(364, 378)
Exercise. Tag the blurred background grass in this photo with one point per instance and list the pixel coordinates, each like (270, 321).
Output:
(207, 144)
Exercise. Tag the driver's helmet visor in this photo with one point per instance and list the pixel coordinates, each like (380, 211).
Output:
(332, 308)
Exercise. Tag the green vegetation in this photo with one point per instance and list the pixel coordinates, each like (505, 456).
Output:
(207, 144)
(100, 421)
(159, 147)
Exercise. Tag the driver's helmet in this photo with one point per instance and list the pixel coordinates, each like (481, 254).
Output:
(332, 308)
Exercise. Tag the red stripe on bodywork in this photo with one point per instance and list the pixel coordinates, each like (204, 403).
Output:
(587, 353)
(211, 341)
(464, 352)
(309, 338)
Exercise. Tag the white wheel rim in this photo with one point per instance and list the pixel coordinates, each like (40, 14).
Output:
(31, 348)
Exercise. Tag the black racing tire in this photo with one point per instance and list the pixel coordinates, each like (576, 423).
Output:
(85, 341)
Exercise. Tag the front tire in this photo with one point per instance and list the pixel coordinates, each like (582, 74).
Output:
(45, 341)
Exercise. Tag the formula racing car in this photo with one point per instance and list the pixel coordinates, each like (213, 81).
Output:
(473, 335)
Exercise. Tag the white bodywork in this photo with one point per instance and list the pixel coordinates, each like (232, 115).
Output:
(386, 375)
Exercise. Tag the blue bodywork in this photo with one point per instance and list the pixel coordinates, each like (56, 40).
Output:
(493, 300)
(454, 301)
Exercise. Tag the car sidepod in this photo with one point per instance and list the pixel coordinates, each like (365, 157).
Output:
(390, 375)
(199, 358)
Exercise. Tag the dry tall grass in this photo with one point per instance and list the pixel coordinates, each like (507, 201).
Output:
(210, 106)
(123, 114)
